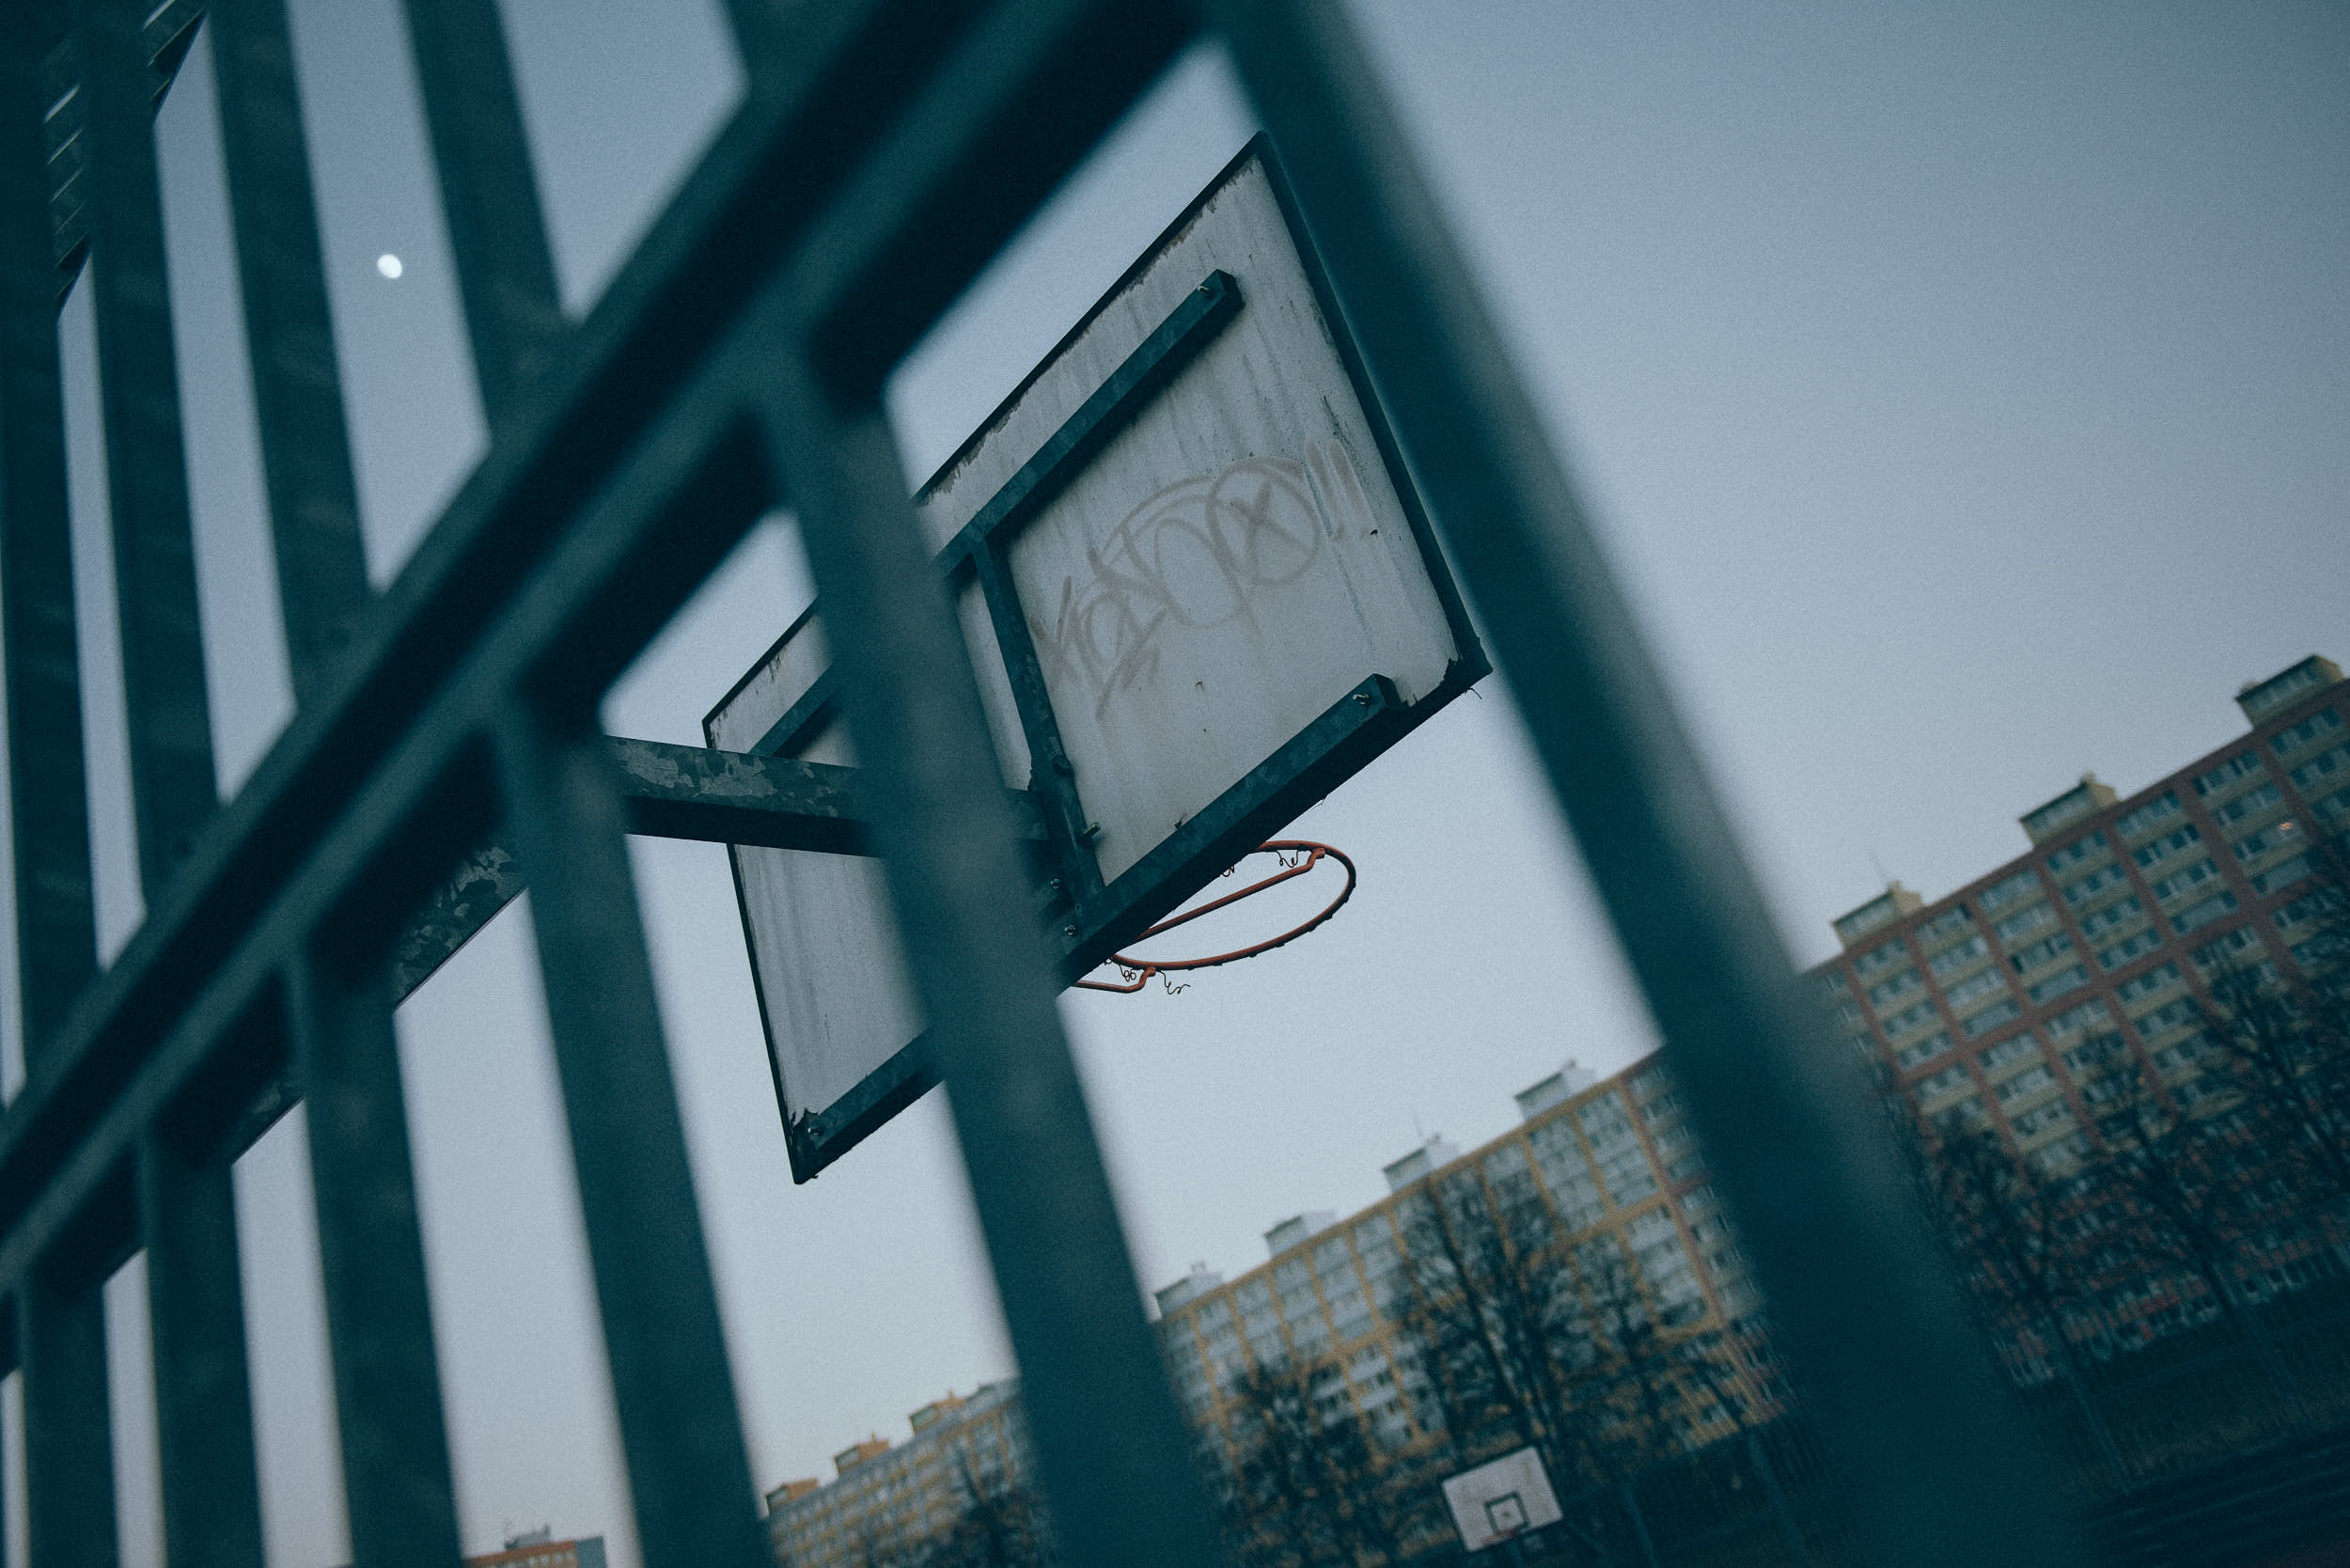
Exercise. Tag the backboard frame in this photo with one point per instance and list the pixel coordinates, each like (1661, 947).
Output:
(1087, 918)
(1506, 1498)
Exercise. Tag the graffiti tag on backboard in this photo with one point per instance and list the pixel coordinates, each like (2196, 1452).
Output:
(1194, 555)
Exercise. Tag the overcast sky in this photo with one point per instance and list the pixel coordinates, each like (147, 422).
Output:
(1964, 401)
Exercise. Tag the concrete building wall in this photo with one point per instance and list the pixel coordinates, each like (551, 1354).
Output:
(888, 1501)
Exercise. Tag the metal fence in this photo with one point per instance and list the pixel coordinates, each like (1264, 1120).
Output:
(884, 151)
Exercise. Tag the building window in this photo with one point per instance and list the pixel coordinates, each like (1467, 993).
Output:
(1923, 1051)
(2184, 879)
(2093, 884)
(2030, 1081)
(1951, 960)
(1605, 1122)
(2129, 947)
(1879, 959)
(2007, 890)
(2103, 920)
(2008, 1052)
(2040, 1119)
(2186, 1053)
(2069, 979)
(2092, 1052)
(2197, 916)
(2075, 852)
(2324, 721)
(1903, 984)
(2044, 951)
(2309, 907)
(2247, 803)
(1909, 1018)
(1990, 1018)
(1965, 991)
(2171, 1015)
(2242, 765)
(2161, 808)
(2283, 874)
(2148, 983)
(2024, 923)
(2324, 766)
(1942, 1082)
(1629, 1176)
(2168, 845)
(1948, 923)
(2268, 840)
(2074, 1019)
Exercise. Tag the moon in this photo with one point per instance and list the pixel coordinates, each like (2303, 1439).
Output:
(388, 265)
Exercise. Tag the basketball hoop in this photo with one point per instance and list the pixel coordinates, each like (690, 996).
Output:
(1297, 856)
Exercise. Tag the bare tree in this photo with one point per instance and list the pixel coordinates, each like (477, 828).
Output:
(2180, 1183)
(1306, 1484)
(1660, 1386)
(2014, 1233)
(2283, 1041)
(1498, 1328)
(1004, 1522)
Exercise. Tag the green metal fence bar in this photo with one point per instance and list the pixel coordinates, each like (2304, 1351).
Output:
(397, 1484)
(688, 1471)
(1863, 1301)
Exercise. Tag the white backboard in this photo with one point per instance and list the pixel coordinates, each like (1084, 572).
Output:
(1501, 1499)
(1192, 577)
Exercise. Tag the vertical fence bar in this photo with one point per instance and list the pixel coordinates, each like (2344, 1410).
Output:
(665, 1342)
(289, 334)
(203, 1394)
(56, 943)
(68, 1444)
(68, 1447)
(379, 1313)
(203, 1405)
(56, 932)
(1868, 1311)
(1110, 1444)
(212, 1498)
(174, 789)
(505, 270)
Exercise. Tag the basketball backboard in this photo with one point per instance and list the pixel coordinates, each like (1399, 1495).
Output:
(1501, 1499)
(1199, 593)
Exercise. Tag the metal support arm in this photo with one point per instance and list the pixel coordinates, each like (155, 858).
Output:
(675, 791)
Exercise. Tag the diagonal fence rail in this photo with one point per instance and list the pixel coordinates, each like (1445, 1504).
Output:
(883, 153)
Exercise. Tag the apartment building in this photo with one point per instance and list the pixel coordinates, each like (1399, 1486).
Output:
(2005, 1000)
(538, 1548)
(885, 1503)
(1614, 1160)
(2014, 1000)
(1614, 1165)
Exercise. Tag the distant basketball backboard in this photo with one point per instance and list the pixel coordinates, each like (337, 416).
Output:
(1502, 1500)
(1199, 593)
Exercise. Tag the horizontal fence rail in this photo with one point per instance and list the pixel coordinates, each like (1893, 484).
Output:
(444, 751)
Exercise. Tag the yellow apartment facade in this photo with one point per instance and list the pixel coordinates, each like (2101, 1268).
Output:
(886, 1501)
